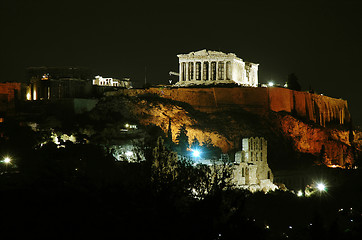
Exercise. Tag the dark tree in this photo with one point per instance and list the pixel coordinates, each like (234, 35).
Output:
(292, 82)
(168, 141)
(182, 140)
(210, 151)
(195, 143)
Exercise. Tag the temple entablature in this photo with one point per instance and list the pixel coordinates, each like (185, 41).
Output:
(212, 67)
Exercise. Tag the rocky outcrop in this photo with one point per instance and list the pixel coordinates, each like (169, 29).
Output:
(317, 108)
(330, 144)
(309, 123)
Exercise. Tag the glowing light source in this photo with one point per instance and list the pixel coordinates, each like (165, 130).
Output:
(321, 187)
(300, 193)
(7, 160)
(195, 153)
(129, 153)
(270, 84)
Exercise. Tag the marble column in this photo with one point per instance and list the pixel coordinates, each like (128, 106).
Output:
(217, 70)
(187, 72)
(194, 74)
(202, 71)
(209, 71)
(224, 70)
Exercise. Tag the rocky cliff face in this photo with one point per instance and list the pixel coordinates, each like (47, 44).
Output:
(320, 109)
(287, 136)
(332, 145)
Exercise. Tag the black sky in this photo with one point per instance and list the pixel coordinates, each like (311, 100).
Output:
(319, 41)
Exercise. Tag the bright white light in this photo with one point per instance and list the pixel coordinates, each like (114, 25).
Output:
(129, 153)
(300, 193)
(271, 84)
(195, 153)
(127, 125)
(321, 187)
(7, 160)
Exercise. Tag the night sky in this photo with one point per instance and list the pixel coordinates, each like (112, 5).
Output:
(319, 41)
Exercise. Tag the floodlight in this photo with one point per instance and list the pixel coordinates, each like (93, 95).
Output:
(195, 153)
(7, 160)
(321, 187)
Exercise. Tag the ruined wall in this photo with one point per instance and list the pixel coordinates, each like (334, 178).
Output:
(8, 93)
(317, 108)
(8, 90)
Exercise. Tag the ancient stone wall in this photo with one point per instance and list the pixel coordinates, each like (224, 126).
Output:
(8, 93)
(8, 89)
(317, 108)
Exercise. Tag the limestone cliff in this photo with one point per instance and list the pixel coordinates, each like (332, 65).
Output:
(332, 145)
(317, 108)
(288, 137)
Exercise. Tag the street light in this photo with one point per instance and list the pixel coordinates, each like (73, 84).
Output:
(321, 187)
(271, 84)
(7, 160)
(196, 153)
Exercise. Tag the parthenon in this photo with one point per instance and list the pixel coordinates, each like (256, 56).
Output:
(212, 67)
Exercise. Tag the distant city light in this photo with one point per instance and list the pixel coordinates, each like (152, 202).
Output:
(196, 153)
(7, 160)
(129, 153)
(270, 84)
(300, 193)
(321, 187)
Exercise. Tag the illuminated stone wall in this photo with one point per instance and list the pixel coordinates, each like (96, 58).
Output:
(9, 92)
(317, 108)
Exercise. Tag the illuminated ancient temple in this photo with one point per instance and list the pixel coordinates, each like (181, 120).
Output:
(212, 67)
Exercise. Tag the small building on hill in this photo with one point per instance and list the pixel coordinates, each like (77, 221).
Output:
(207, 67)
(112, 82)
